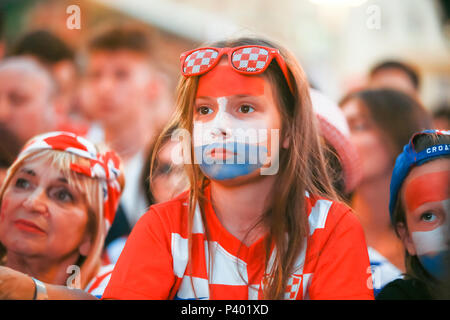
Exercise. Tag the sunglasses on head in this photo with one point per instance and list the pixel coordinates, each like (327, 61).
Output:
(251, 59)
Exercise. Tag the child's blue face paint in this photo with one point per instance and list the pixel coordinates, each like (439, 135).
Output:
(435, 264)
(242, 159)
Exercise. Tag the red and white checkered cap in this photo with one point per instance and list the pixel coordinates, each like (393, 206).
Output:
(335, 130)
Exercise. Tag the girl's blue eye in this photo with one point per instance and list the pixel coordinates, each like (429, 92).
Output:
(428, 217)
(245, 108)
(204, 110)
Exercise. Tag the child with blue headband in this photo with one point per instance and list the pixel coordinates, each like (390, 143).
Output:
(420, 211)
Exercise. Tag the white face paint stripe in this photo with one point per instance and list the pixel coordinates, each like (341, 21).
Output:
(236, 129)
(432, 241)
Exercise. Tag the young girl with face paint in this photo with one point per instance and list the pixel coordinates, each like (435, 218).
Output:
(57, 202)
(260, 219)
(420, 212)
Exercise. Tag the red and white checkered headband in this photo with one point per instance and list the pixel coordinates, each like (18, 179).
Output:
(104, 167)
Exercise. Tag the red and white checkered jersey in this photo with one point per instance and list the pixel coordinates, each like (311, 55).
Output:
(97, 285)
(154, 264)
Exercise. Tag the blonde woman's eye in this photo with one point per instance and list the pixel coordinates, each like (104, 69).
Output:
(245, 108)
(22, 183)
(62, 195)
(204, 110)
(428, 217)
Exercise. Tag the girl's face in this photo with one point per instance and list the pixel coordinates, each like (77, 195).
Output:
(425, 197)
(375, 157)
(236, 125)
(42, 215)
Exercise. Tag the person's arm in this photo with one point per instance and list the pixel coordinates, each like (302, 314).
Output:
(145, 267)
(15, 285)
(343, 267)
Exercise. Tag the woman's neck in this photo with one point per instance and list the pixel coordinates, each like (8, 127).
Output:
(240, 208)
(42, 268)
(371, 205)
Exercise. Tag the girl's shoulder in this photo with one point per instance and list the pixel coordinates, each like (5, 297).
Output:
(171, 214)
(404, 289)
(327, 214)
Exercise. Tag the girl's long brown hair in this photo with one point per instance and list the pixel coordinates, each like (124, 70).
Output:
(301, 167)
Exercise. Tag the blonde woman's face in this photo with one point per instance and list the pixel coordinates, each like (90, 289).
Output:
(41, 214)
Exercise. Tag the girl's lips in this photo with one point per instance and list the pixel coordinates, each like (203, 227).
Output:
(220, 153)
(28, 226)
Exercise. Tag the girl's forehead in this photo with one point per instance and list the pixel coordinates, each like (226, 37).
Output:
(223, 81)
(438, 165)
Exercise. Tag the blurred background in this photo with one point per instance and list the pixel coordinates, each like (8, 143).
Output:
(337, 41)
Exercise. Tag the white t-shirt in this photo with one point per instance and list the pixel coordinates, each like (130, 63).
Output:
(383, 271)
(133, 199)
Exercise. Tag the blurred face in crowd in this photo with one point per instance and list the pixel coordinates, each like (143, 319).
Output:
(169, 178)
(42, 215)
(25, 103)
(392, 78)
(425, 197)
(376, 160)
(117, 86)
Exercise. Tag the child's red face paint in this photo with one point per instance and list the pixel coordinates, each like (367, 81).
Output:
(223, 81)
(429, 187)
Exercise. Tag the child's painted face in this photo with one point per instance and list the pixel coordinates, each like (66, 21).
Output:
(236, 124)
(426, 199)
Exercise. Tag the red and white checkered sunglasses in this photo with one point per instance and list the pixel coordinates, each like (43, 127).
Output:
(250, 59)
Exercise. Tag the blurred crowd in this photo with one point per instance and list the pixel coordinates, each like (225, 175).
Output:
(118, 98)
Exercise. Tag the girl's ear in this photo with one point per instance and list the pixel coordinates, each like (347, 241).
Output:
(406, 238)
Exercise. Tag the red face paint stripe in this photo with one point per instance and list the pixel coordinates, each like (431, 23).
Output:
(430, 187)
(223, 81)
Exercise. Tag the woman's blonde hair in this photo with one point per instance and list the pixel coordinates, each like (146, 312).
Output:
(92, 193)
(302, 165)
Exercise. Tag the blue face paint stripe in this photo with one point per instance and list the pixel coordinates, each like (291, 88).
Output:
(247, 159)
(435, 264)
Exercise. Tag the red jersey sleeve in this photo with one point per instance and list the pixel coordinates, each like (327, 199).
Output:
(144, 269)
(343, 267)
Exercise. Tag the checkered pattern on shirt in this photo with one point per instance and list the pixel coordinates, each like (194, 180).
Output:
(250, 59)
(199, 61)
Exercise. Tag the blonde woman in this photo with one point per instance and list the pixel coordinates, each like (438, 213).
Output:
(246, 229)
(57, 202)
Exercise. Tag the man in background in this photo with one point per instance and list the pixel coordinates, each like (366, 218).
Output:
(27, 98)
(395, 75)
(59, 59)
(120, 91)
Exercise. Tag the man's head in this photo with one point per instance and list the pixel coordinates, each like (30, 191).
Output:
(27, 92)
(54, 54)
(118, 84)
(395, 75)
